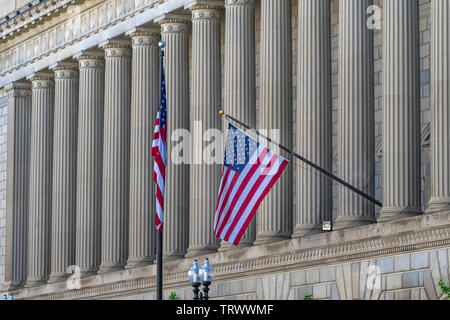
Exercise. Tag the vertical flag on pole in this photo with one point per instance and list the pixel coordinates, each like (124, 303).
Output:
(159, 151)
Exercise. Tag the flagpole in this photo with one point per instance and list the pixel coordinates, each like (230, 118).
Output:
(296, 155)
(159, 241)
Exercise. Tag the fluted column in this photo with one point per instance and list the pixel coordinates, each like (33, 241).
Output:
(275, 214)
(144, 105)
(18, 168)
(401, 110)
(64, 169)
(205, 106)
(176, 201)
(41, 161)
(313, 115)
(90, 161)
(116, 155)
(240, 77)
(356, 114)
(440, 102)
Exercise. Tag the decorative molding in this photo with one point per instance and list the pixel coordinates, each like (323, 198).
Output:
(206, 12)
(75, 28)
(239, 2)
(31, 16)
(281, 257)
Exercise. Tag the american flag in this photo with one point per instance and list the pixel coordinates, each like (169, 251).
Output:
(159, 151)
(249, 172)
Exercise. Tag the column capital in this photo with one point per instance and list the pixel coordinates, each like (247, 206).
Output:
(65, 70)
(90, 59)
(116, 48)
(239, 3)
(18, 89)
(206, 12)
(207, 3)
(145, 35)
(174, 23)
(42, 80)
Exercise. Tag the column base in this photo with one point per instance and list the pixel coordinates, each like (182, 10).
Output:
(136, 262)
(88, 272)
(306, 230)
(346, 222)
(225, 246)
(58, 277)
(388, 214)
(438, 205)
(197, 251)
(106, 268)
(31, 283)
(13, 286)
(173, 256)
(267, 237)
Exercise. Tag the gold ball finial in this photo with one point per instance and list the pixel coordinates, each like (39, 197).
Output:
(221, 112)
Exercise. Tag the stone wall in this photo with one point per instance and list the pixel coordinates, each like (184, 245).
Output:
(402, 277)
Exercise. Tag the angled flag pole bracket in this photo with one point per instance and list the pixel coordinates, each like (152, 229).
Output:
(315, 166)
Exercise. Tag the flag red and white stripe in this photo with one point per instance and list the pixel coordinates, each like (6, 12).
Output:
(159, 151)
(244, 185)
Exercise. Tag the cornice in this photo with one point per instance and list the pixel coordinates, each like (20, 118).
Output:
(29, 16)
(91, 18)
(367, 242)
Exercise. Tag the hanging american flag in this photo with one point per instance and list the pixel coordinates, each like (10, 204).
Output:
(249, 172)
(159, 151)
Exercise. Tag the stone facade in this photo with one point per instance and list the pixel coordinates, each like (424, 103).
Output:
(409, 266)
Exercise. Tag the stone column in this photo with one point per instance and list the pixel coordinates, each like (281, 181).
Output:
(205, 106)
(64, 169)
(440, 102)
(240, 86)
(401, 110)
(18, 168)
(176, 201)
(116, 155)
(275, 214)
(356, 114)
(90, 161)
(313, 115)
(145, 98)
(41, 162)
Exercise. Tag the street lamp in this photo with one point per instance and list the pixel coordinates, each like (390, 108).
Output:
(194, 278)
(206, 274)
(203, 275)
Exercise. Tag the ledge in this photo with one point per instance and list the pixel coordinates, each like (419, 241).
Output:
(380, 239)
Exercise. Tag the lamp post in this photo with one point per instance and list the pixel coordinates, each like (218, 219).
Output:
(194, 278)
(203, 275)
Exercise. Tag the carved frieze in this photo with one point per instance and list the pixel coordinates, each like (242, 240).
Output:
(78, 25)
